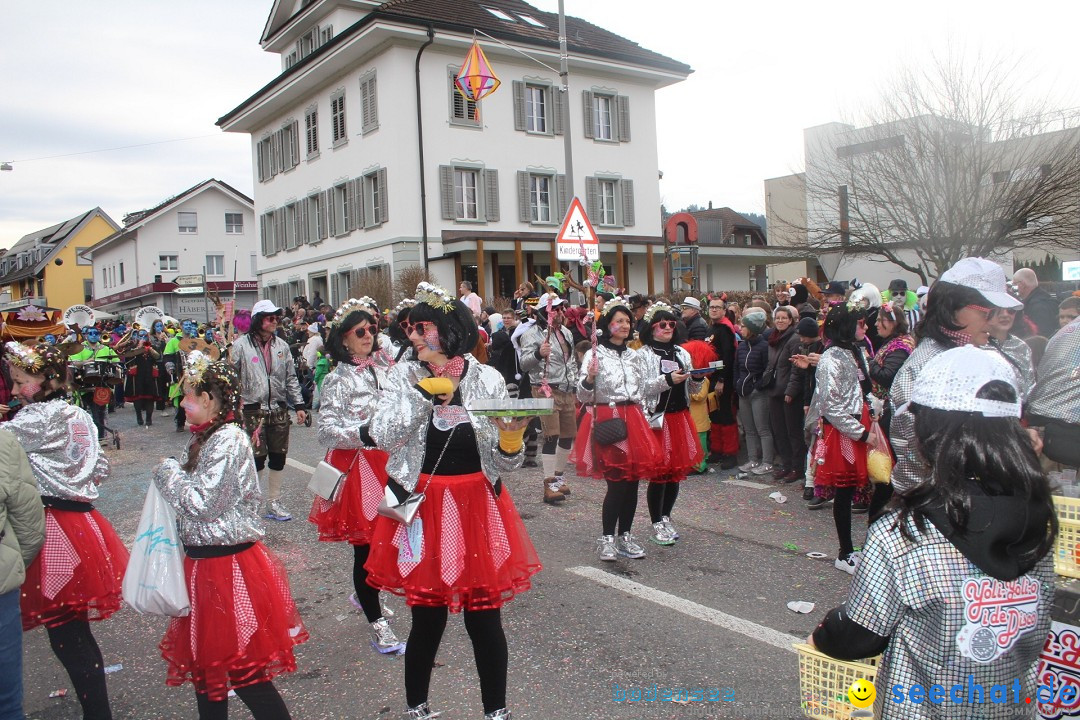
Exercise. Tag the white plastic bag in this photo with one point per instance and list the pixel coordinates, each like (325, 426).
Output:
(154, 581)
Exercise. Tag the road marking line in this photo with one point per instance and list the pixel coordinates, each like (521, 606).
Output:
(744, 483)
(751, 630)
(299, 465)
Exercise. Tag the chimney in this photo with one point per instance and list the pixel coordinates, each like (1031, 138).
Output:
(710, 204)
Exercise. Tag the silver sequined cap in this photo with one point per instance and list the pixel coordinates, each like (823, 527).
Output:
(951, 380)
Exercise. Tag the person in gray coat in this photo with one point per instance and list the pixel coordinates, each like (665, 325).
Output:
(22, 532)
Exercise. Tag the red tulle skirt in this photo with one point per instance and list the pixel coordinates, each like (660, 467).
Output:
(840, 462)
(77, 574)
(352, 515)
(680, 447)
(635, 458)
(466, 549)
(242, 627)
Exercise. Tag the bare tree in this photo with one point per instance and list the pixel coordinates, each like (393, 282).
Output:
(949, 164)
(407, 280)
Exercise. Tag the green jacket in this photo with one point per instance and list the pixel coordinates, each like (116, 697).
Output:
(322, 369)
(103, 354)
(22, 517)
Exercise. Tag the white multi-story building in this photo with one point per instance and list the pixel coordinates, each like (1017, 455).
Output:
(346, 192)
(209, 228)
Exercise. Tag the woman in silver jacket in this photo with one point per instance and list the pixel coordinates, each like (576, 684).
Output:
(612, 383)
(668, 404)
(349, 397)
(466, 548)
(243, 622)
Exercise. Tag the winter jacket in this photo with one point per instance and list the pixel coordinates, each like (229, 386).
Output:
(751, 359)
(697, 328)
(22, 516)
(780, 362)
(801, 383)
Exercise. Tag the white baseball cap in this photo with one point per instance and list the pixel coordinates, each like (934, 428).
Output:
(313, 328)
(985, 276)
(550, 298)
(266, 307)
(951, 381)
(691, 302)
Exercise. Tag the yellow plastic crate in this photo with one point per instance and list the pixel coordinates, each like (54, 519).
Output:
(1067, 547)
(824, 682)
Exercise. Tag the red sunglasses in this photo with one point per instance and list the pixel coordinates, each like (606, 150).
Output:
(985, 310)
(664, 324)
(420, 328)
(372, 330)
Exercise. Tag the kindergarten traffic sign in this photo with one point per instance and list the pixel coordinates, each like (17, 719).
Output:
(576, 236)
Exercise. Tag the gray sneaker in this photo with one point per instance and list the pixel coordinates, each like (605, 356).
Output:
(748, 466)
(628, 547)
(276, 511)
(606, 547)
(383, 638)
(661, 535)
(762, 469)
(671, 528)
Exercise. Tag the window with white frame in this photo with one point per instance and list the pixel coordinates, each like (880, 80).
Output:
(289, 146)
(105, 278)
(315, 218)
(79, 259)
(536, 108)
(462, 110)
(311, 131)
(326, 34)
(291, 239)
(215, 265)
(168, 263)
(234, 223)
(188, 222)
(607, 202)
(466, 203)
(337, 118)
(607, 115)
(375, 198)
(747, 239)
(540, 198)
(341, 209)
(267, 231)
(469, 193)
(602, 114)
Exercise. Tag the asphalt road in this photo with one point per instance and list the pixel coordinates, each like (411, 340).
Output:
(709, 613)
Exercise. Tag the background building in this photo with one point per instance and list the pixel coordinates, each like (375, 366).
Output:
(344, 200)
(210, 225)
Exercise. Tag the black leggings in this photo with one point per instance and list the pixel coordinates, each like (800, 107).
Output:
(620, 504)
(262, 699)
(367, 595)
(489, 649)
(661, 499)
(144, 406)
(76, 649)
(841, 512)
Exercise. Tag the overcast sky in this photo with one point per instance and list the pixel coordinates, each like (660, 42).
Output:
(83, 76)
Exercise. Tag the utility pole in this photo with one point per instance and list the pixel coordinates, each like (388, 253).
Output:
(564, 75)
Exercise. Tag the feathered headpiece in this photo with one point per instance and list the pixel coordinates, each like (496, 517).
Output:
(200, 371)
(658, 306)
(434, 296)
(615, 303)
(406, 303)
(353, 304)
(40, 358)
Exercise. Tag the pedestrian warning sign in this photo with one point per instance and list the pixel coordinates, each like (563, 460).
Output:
(576, 236)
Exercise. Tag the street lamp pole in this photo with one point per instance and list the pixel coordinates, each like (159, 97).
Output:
(564, 75)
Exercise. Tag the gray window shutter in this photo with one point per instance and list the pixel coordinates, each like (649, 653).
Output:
(361, 202)
(564, 202)
(262, 233)
(321, 199)
(355, 199)
(275, 153)
(301, 222)
(446, 191)
(384, 196)
(260, 166)
(370, 118)
(587, 102)
(279, 228)
(491, 195)
(557, 100)
(519, 105)
(627, 202)
(331, 213)
(592, 198)
(303, 288)
(295, 143)
(524, 213)
(623, 103)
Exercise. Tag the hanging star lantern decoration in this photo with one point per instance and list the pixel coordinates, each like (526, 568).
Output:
(476, 79)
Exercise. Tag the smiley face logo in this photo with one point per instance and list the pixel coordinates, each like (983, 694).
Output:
(862, 693)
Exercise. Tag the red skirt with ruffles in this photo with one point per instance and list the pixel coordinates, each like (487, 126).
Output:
(466, 549)
(635, 458)
(840, 462)
(680, 447)
(242, 627)
(78, 573)
(351, 517)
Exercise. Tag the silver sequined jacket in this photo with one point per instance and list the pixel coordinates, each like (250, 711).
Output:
(562, 370)
(349, 398)
(838, 396)
(1018, 354)
(658, 383)
(399, 425)
(1057, 395)
(255, 387)
(621, 377)
(910, 468)
(217, 503)
(61, 443)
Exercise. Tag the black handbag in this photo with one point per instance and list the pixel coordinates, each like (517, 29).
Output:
(610, 431)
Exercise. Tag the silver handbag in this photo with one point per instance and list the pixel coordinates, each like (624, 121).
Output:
(326, 481)
(404, 511)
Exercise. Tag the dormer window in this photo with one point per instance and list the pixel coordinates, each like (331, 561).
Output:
(502, 15)
(529, 19)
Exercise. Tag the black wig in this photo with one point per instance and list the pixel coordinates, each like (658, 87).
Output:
(335, 344)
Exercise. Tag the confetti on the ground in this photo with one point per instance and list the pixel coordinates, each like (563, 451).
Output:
(114, 668)
(62, 692)
(339, 618)
(801, 606)
(791, 546)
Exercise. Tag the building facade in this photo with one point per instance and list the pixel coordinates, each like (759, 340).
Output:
(347, 195)
(209, 228)
(45, 268)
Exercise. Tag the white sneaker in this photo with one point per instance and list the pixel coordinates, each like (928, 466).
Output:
(762, 469)
(660, 535)
(671, 528)
(847, 564)
(748, 466)
(628, 547)
(383, 638)
(606, 547)
(276, 511)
